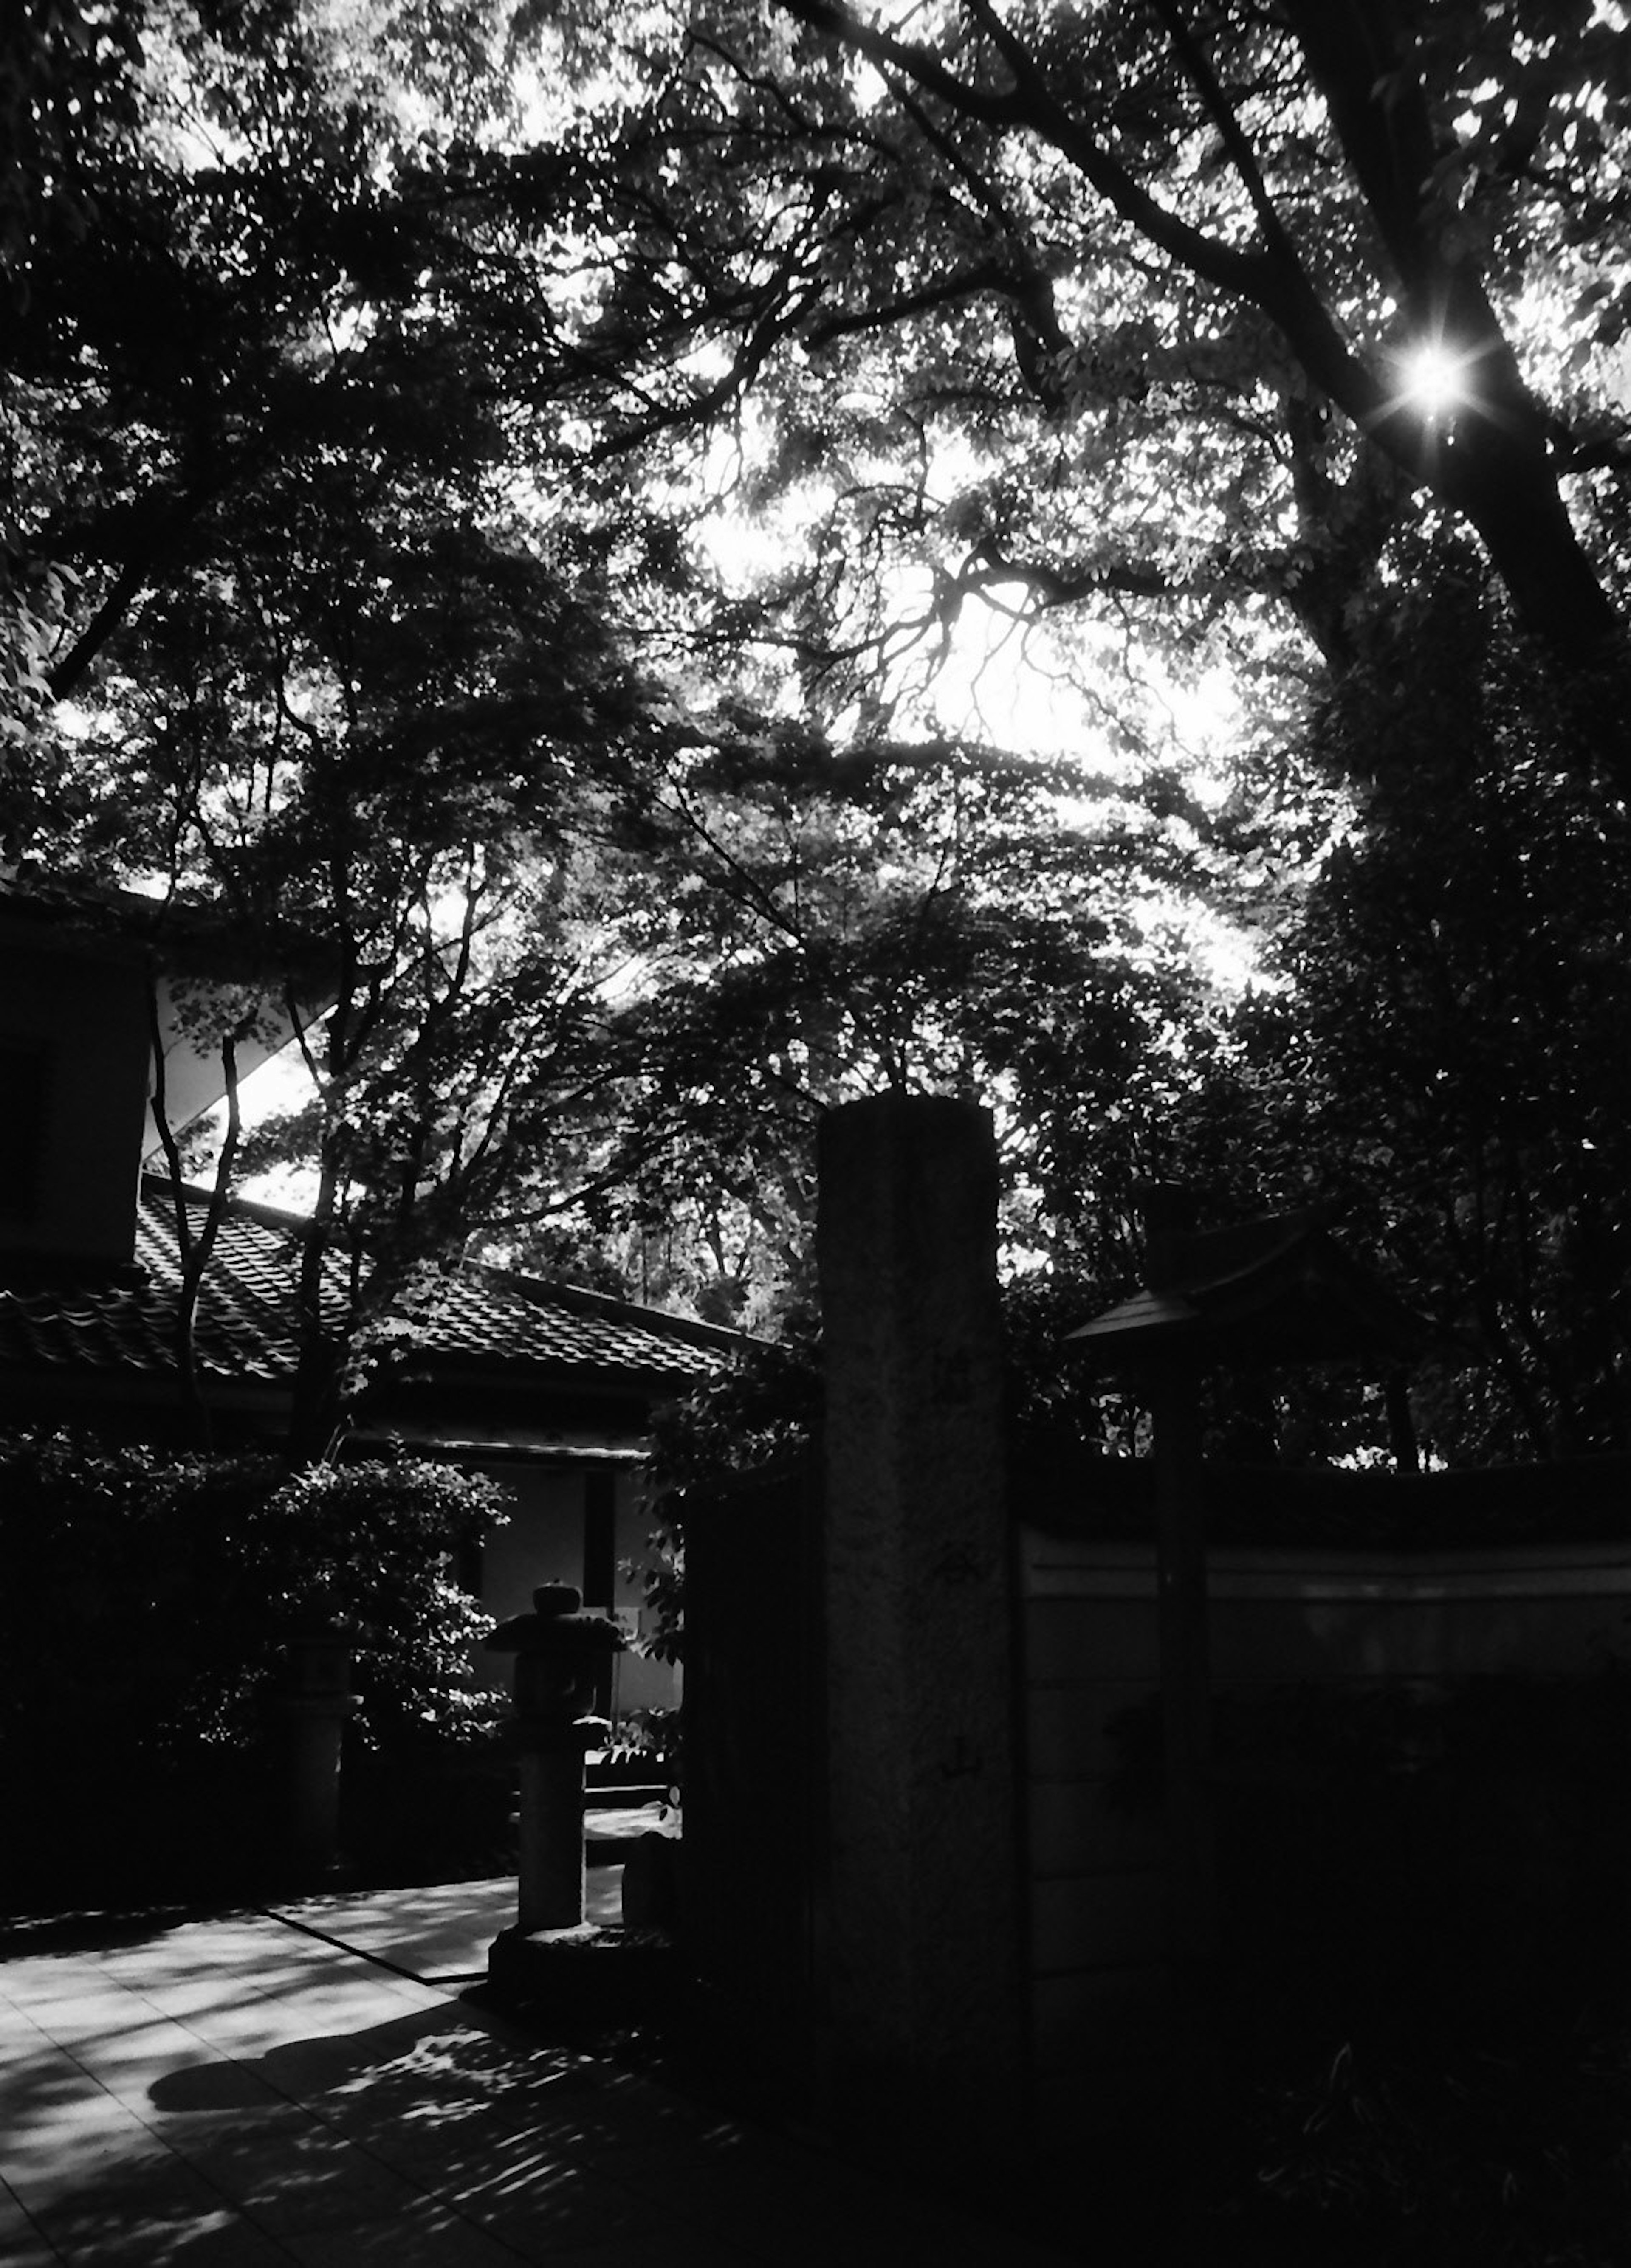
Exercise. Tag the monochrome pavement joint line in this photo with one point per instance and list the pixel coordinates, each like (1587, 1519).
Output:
(361, 1952)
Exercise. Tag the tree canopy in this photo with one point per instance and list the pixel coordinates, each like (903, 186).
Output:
(705, 559)
(1119, 315)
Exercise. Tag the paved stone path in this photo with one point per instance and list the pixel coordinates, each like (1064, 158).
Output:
(253, 2090)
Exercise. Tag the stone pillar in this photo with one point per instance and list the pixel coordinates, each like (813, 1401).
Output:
(921, 1936)
(549, 1872)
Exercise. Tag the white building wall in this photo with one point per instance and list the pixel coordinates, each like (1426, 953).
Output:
(543, 1542)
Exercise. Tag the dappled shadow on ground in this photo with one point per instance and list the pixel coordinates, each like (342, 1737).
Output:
(439, 2137)
(84, 1928)
(431, 2124)
(440, 1932)
(434, 2137)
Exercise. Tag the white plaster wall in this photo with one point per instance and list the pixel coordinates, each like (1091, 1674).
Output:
(543, 1542)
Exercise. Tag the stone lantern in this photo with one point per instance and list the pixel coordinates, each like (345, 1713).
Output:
(558, 1649)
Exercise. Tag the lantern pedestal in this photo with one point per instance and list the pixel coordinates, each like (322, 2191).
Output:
(600, 1972)
(551, 1890)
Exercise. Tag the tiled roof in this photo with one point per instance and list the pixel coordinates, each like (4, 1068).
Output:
(489, 1327)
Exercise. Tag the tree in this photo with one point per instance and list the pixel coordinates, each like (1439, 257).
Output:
(1110, 315)
(64, 87)
(390, 750)
(1112, 319)
(332, 672)
(365, 698)
(755, 354)
(282, 255)
(1243, 88)
(1449, 1060)
(1107, 319)
(940, 918)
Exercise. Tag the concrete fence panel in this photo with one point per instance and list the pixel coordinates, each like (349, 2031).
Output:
(1362, 1620)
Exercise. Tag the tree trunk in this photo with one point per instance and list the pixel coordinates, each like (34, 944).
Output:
(1492, 462)
(314, 1413)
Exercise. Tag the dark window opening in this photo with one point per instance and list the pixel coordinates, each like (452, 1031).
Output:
(599, 1539)
(24, 1066)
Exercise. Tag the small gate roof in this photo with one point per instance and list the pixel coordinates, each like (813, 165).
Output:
(1267, 1293)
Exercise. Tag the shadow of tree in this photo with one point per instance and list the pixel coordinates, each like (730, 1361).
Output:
(443, 2138)
(454, 2128)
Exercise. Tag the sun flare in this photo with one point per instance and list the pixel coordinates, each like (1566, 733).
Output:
(1434, 378)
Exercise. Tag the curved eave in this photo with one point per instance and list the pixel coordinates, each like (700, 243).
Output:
(1306, 1324)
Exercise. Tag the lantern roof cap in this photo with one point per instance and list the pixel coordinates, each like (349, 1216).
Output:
(559, 1623)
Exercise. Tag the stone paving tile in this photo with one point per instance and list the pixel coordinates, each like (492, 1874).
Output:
(135, 2211)
(36, 2071)
(27, 1979)
(95, 2011)
(224, 2126)
(432, 2238)
(127, 2062)
(294, 2176)
(22, 2244)
(28, 2251)
(19, 2034)
(222, 1984)
(441, 1933)
(71, 2143)
(570, 2200)
(220, 2242)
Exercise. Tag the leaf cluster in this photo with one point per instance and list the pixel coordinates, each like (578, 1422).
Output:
(149, 1597)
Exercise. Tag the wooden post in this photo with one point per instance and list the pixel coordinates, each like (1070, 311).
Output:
(1185, 1676)
(315, 1703)
(1172, 1387)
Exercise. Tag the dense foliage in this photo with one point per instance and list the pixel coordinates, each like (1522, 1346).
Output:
(666, 566)
(149, 1598)
(146, 1623)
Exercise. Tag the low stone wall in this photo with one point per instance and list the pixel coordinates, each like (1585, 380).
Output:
(1365, 1619)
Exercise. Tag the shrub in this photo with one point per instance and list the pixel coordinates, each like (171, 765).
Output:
(148, 1601)
(763, 1411)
